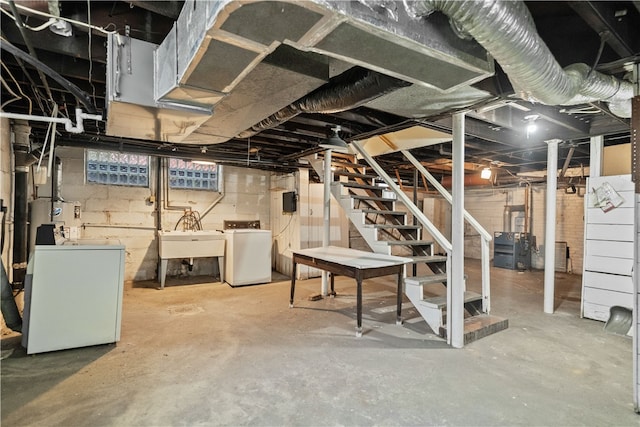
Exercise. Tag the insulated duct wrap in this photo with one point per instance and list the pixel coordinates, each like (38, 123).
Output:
(354, 88)
(507, 31)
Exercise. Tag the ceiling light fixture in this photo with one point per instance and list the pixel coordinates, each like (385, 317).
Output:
(334, 142)
(486, 173)
(61, 28)
(531, 124)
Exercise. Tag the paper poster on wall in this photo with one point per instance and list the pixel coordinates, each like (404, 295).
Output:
(605, 197)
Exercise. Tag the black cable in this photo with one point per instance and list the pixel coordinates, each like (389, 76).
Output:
(78, 93)
(595, 63)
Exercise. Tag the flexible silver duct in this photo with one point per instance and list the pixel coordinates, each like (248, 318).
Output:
(506, 30)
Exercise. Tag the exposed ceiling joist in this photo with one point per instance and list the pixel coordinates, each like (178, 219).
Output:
(610, 21)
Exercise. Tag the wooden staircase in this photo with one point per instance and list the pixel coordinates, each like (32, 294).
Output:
(381, 219)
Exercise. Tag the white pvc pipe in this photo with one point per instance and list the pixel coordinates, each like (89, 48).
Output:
(326, 235)
(68, 124)
(550, 226)
(456, 286)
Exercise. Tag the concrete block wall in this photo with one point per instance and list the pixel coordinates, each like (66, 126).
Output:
(128, 214)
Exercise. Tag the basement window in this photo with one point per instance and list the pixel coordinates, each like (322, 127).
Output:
(115, 168)
(193, 175)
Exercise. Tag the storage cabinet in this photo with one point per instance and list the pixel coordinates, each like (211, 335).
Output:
(608, 260)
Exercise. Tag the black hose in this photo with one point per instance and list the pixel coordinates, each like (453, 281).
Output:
(78, 93)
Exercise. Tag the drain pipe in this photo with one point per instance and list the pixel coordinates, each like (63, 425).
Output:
(69, 126)
(23, 160)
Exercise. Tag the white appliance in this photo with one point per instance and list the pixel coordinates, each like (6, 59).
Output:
(73, 295)
(65, 214)
(248, 257)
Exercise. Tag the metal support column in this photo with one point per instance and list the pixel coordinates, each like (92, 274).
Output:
(326, 235)
(456, 287)
(550, 226)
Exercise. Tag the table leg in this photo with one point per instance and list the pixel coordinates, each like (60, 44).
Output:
(293, 282)
(163, 271)
(399, 301)
(333, 289)
(359, 305)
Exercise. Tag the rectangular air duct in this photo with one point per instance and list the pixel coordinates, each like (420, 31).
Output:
(246, 60)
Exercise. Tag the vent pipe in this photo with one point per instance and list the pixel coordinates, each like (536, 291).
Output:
(506, 30)
(23, 159)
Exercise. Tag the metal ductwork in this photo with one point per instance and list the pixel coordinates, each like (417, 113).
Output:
(352, 89)
(507, 31)
(228, 66)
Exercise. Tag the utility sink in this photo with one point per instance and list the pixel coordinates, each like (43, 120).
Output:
(191, 244)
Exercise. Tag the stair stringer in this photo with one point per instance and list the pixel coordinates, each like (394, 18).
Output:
(357, 218)
(431, 315)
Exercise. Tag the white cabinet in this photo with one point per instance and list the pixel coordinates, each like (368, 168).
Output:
(248, 257)
(608, 261)
(73, 297)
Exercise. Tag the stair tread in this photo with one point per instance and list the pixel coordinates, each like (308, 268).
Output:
(354, 174)
(382, 212)
(402, 227)
(427, 259)
(378, 198)
(410, 242)
(425, 280)
(346, 163)
(441, 300)
(351, 184)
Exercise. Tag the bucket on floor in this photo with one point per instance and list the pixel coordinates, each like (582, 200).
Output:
(620, 320)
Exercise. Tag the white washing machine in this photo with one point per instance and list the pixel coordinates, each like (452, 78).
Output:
(248, 256)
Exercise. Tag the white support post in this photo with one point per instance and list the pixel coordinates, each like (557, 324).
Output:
(550, 226)
(456, 286)
(326, 235)
(486, 275)
(595, 156)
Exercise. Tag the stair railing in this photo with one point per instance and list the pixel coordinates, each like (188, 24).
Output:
(437, 235)
(484, 235)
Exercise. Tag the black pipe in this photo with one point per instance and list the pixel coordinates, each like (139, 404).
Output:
(8, 305)
(159, 172)
(78, 93)
(20, 225)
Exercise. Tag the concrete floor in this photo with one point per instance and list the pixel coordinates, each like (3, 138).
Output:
(208, 354)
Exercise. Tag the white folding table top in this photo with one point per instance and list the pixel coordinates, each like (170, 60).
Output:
(352, 257)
